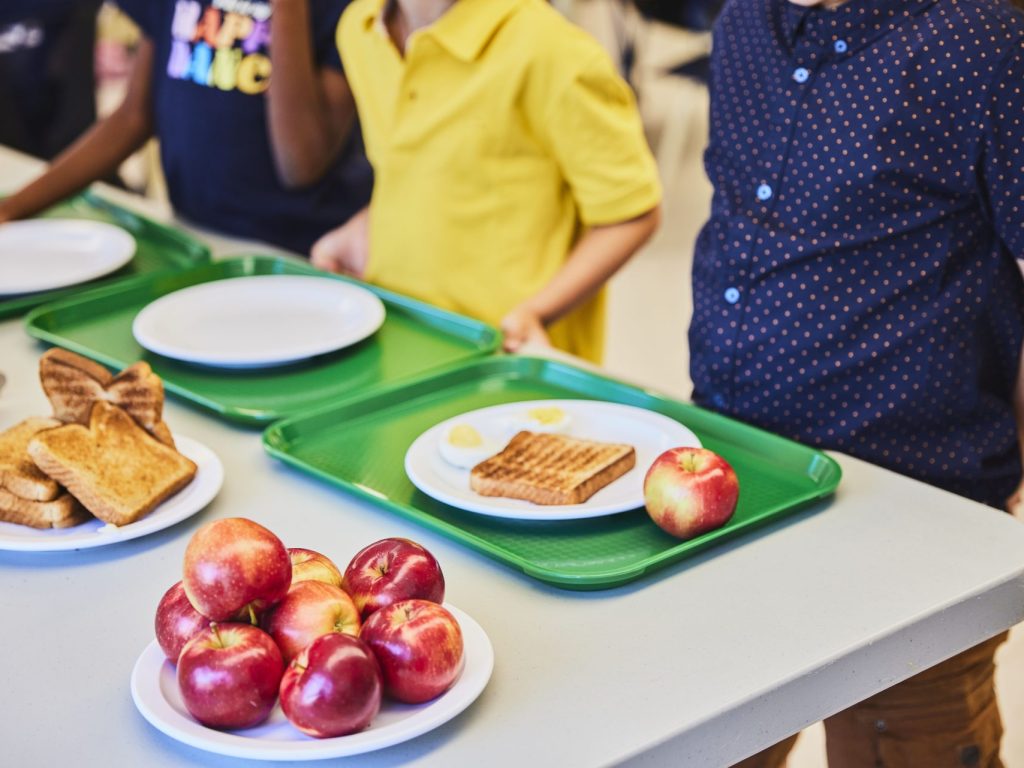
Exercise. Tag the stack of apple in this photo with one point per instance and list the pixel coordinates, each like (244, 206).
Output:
(252, 621)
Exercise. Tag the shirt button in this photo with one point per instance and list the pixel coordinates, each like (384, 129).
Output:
(800, 74)
(732, 295)
(839, 46)
(764, 192)
(718, 400)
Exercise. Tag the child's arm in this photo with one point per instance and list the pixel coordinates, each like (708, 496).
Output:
(1015, 504)
(310, 109)
(99, 151)
(596, 257)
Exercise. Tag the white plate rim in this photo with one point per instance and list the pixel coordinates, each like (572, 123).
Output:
(154, 707)
(204, 488)
(123, 241)
(374, 316)
(513, 509)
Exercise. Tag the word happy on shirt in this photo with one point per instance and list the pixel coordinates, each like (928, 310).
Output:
(223, 45)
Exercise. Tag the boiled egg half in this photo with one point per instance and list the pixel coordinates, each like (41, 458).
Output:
(543, 418)
(463, 446)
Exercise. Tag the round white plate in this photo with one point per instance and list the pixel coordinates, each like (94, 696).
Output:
(155, 692)
(44, 254)
(95, 533)
(648, 432)
(258, 322)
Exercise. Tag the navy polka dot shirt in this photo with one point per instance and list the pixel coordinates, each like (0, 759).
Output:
(857, 286)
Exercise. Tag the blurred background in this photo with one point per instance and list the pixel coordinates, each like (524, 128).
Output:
(62, 62)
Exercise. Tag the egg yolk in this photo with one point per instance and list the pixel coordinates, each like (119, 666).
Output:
(549, 415)
(465, 436)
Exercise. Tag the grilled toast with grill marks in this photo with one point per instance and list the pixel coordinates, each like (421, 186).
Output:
(61, 512)
(73, 383)
(114, 467)
(18, 473)
(551, 469)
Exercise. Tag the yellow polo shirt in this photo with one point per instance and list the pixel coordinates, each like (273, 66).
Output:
(496, 140)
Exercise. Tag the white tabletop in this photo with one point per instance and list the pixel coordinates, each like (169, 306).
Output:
(699, 665)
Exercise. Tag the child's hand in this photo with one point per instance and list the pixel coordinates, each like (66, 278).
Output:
(1015, 504)
(345, 249)
(522, 326)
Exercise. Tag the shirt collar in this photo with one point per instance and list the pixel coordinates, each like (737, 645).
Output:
(465, 28)
(857, 22)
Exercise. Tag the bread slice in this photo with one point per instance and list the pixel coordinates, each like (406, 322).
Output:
(18, 473)
(73, 383)
(114, 467)
(62, 512)
(551, 469)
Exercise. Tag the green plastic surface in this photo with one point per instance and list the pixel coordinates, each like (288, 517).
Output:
(158, 249)
(415, 337)
(360, 444)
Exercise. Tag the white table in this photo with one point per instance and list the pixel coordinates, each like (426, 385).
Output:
(700, 665)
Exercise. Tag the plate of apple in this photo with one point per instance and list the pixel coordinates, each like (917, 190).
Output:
(270, 653)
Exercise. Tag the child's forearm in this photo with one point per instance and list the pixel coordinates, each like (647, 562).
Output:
(99, 151)
(598, 255)
(310, 112)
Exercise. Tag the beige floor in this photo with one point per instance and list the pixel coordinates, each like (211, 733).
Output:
(649, 312)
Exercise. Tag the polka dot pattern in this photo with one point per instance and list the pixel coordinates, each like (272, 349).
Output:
(868, 166)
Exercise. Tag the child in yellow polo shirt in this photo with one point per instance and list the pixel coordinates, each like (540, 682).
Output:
(512, 177)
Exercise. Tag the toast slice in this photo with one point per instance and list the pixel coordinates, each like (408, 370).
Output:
(73, 383)
(18, 473)
(62, 512)
(114, 467)
(551, 469)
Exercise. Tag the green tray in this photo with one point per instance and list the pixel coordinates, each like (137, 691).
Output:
(415, 337)
(360, 444)
(158, 249)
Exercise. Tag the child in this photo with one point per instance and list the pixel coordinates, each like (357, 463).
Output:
(856, 286)
(243, 152)
(512, 177)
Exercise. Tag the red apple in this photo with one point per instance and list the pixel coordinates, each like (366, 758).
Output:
(309, 610)
(419, 646)
(235, 565)
(689, 491)
(229, 675)
(177, 622)
(333, 687)
(308, 565)
(392, 570)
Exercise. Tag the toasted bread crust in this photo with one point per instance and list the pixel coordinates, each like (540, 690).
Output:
(551, 469)
(73, 383)
(18, 473)
(116, 469)
(62, 512)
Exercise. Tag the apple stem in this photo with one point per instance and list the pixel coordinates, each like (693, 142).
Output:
(252, 615)
(216, 633)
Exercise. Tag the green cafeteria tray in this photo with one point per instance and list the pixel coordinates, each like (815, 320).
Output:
(158, 248)
(414, 338)
(360, 444)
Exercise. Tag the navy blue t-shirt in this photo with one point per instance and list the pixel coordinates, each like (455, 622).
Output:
(211, 71)
(857, 286)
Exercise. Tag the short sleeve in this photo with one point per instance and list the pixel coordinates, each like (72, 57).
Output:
(1003, 161)
(593, 127)
(325, 15)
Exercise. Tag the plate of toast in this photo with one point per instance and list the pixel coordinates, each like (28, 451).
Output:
(45, 254)
(543, 459)
(155, 692)
(104, 467)
(259, 321)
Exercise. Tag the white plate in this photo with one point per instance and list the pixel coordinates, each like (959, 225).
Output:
(648, 432)
(155, 692)
(44, 254)
(95, 533)
(258, 322)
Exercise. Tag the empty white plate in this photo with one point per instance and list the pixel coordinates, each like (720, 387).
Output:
(258, 322)
(44, 254)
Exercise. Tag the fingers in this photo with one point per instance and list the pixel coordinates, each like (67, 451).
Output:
(328, 252)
